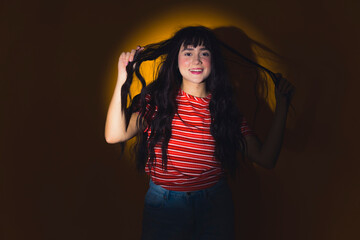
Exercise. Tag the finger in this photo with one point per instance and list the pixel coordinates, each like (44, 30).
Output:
(132, 55)
(127, 56)
(286, 89)
(287, 85)
(278, 77)
(282, 83)
(122, 58)
(137, 52)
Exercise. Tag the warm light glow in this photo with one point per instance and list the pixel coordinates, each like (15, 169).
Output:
(164, 26)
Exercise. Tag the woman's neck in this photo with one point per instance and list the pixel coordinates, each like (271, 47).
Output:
(194, 89)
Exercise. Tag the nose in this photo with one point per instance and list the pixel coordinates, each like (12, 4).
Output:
(197, 59)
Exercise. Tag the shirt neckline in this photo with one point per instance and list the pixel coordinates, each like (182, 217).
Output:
(194, 98)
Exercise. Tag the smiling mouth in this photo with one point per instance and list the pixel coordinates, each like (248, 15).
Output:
(196, 71)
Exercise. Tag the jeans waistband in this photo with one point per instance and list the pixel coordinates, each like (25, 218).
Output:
(205, 192)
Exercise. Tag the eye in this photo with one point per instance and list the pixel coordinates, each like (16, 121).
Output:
(188, 54)
(206, 54)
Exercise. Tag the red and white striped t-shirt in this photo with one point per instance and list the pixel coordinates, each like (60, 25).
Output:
(191, 162)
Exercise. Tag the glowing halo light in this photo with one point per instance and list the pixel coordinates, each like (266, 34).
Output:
(165, 25)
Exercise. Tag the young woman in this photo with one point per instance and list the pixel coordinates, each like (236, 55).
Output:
(190, 133)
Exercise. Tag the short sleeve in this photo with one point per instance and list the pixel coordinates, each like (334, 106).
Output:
(245, 129)
(150, 112)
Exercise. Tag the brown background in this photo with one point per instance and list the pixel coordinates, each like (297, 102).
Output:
(61, 180)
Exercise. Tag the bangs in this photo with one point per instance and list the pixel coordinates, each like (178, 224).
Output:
(197, 38)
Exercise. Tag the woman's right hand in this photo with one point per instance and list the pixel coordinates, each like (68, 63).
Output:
(116, 129)
(124, 59)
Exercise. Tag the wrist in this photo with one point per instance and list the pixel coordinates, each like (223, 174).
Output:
(121, 79)
(282, 107)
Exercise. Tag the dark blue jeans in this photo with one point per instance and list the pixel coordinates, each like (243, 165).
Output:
(205, 214)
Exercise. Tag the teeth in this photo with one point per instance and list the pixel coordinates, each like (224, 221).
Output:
(196, 70)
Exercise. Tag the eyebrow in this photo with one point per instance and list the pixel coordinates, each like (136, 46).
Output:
(187, 48)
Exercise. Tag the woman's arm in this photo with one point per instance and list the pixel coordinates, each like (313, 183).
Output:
(266, 154)
(115, 126)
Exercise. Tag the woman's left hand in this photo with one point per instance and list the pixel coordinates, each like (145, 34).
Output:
(284, 90)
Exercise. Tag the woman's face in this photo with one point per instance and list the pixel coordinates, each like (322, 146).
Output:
(194, 63)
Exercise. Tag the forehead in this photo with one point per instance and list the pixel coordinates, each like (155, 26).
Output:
(191, 46)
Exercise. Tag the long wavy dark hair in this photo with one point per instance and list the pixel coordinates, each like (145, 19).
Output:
(157, 104)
